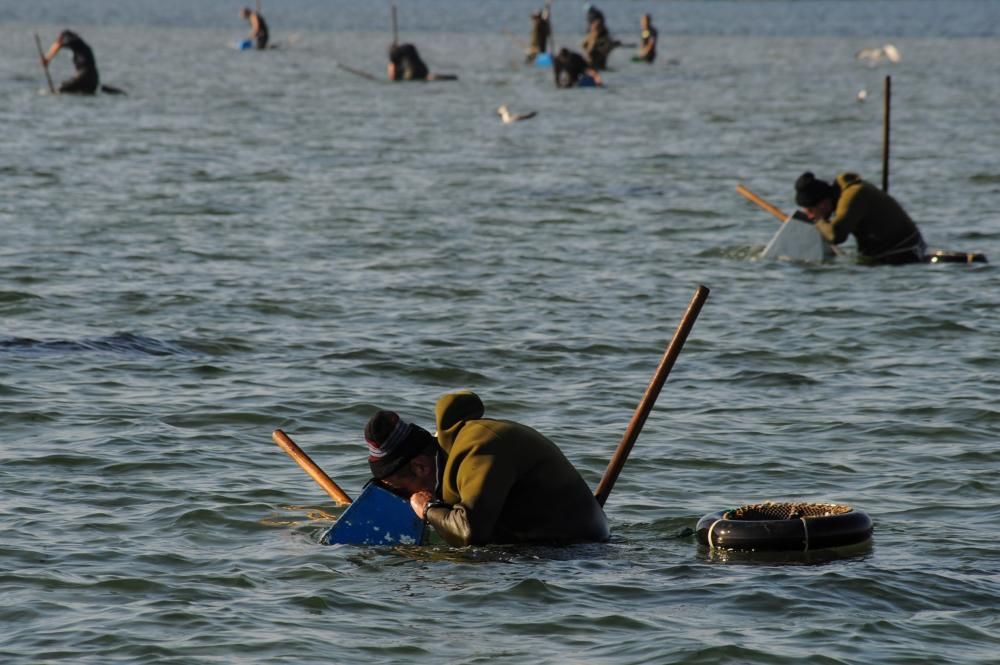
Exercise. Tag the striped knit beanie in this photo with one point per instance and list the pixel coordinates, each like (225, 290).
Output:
(392, 442)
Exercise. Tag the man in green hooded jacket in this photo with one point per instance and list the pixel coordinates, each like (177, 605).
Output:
(850, 206)
(483, 480)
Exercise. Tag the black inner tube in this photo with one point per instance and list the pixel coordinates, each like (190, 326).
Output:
(784, 527)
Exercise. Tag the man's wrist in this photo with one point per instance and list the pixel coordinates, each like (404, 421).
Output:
(433, 503)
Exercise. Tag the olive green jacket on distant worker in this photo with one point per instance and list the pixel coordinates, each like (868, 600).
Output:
(506, 483)
(879, 224)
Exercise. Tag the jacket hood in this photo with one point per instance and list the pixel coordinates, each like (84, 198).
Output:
(451, 412)
(845, 180)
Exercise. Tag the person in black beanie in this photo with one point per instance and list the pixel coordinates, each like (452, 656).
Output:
(483, 480)
(884, 233)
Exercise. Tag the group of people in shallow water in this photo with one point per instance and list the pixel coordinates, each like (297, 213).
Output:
(573, 69)
(87, 81)
(848, 206)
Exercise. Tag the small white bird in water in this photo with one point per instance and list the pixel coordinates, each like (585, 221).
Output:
(862, 95)
(507, 117)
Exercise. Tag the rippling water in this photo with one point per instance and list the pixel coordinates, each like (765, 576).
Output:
(251, 241)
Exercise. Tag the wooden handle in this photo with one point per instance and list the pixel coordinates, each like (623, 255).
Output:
(310, 467)
(617, 462)
(887, 105)
(774, 210)
(357, 72)
(41, 54)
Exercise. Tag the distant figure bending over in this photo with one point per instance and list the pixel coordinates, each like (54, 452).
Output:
(850, 206)
(647, 48)
(258, 27)
(540, 32)
(405, 64)
(86, 81)
(572, 70)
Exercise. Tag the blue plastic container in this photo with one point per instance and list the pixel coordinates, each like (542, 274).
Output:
(376, 517)
(244, 44)
(543, 60)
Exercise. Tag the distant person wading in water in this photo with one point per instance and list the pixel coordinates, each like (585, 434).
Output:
(572, 70)
(86, 81)
(850, 206)
(647, 49)
(405, 64)
(258, 27)
(540, 32)
(598, 43)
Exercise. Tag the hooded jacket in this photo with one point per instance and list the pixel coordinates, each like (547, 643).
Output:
(506, 483)
(879, 224)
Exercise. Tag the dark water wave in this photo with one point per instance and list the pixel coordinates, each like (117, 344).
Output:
(118, 343)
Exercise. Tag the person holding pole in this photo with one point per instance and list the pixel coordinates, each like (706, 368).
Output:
(482, 480)
(884, 233)
(86, 81)
(258, 27)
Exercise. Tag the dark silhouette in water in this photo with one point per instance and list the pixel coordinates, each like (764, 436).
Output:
(87, 81)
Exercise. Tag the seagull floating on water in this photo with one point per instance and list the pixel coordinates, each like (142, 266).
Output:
(507, 117)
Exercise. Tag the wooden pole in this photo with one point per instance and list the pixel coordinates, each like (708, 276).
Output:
(395, 29)
(45, 66)
(773, 209)
(552, 33)
(885, 133)
(310, 467)
(357, 72)
(617, 462)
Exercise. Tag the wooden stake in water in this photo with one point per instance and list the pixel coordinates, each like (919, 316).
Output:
(310, 467)
(885, 133)
(45, 65)
(646, 404)
(395, 30)
(552, 32)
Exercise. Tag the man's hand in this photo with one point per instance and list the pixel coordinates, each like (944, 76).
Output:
(419, 501)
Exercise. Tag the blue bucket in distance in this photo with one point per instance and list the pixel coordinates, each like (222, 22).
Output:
(543, 60)
(244, 44)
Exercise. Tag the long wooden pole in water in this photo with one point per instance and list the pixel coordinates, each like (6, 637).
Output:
(887, 105)
(773, 209)
(646, 404)
(395, 29)
(552, 34)
(41, 54)
(310, 467)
